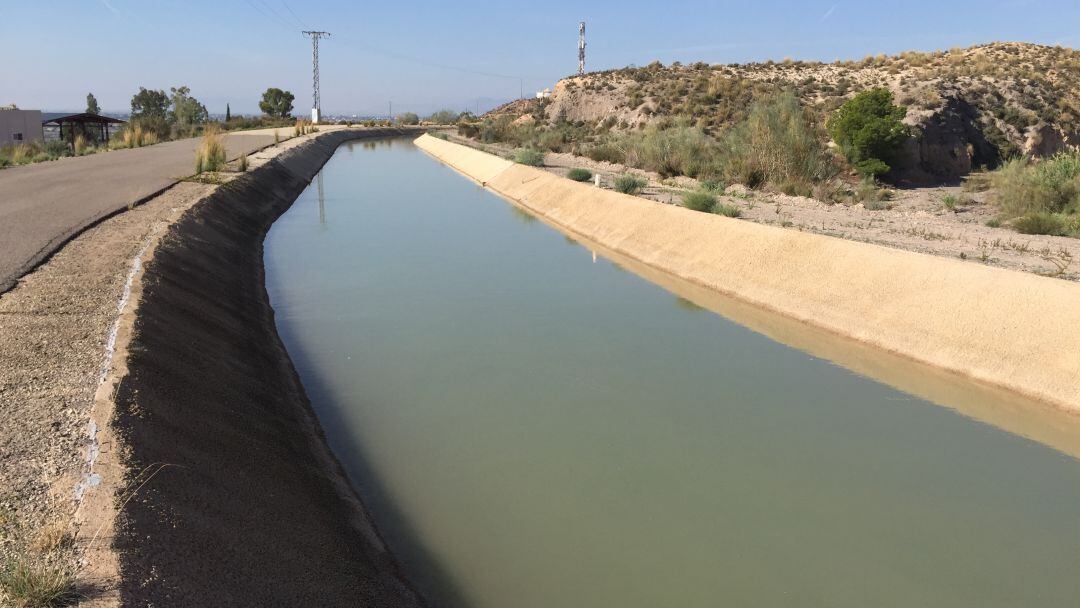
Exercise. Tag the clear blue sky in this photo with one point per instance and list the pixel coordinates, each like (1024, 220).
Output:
(426, 55)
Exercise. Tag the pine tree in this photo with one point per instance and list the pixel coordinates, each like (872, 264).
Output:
(228, 114)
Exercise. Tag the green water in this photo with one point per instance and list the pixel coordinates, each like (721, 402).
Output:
(533, 427)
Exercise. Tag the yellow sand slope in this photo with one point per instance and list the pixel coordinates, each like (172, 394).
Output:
(1013, 329)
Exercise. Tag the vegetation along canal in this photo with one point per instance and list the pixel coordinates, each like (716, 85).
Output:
(534, 426)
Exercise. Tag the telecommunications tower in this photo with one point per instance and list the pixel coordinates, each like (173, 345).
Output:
(581, 49)
(316, 107)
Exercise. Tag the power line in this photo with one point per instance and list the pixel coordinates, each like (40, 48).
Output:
(266, 16)
(295, 18)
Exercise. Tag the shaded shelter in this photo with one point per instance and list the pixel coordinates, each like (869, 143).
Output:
(82, 123)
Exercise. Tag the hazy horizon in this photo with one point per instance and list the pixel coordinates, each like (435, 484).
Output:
(455, 56)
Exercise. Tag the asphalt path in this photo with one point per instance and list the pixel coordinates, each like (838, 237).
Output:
(44, 205)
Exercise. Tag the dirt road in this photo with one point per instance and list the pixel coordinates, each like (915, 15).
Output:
(43, 205)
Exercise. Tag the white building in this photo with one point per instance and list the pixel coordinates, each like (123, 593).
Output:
(19, 125)
(545, 94)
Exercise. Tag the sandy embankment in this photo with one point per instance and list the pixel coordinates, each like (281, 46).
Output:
(199, 418)
(1009, 329)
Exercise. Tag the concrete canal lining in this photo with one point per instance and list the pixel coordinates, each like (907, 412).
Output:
(1010, 329)
(251, 508)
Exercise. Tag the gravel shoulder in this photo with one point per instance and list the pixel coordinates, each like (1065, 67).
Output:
(54, 332)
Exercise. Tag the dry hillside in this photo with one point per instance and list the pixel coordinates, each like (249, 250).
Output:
(969, 108)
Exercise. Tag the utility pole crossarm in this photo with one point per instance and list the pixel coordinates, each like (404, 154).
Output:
(316, 105)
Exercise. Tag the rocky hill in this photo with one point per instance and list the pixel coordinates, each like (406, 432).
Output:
(969, 108)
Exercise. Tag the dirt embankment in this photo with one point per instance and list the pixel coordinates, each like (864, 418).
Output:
(252, 509)
(1006, 328)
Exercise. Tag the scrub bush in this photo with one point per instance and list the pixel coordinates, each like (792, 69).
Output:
(1049, 186)
(529, 157)
(869, 130)
(699, 200)
(630, 184)
(1040, 223)
(727, 210)
(777, 143)
(579, 175)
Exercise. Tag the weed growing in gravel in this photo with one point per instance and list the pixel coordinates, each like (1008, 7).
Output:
(29, 583)
(630, 184)
(699, 200)
(210, 155)
(579, 175)
(727, 210)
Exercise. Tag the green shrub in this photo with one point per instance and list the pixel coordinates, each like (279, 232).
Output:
(727, 210)
(1051, 186)
(869, 130)
(677, 150)
(993, 222)
(630, 184)
(949, 201)
(579, 175)
(1040, 223)
(533, 158)
(712, 185)
(607, 152)
(57, 148)
(699, 200)
(777, 143)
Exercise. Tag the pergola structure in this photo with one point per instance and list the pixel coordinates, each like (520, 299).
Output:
(81, 123)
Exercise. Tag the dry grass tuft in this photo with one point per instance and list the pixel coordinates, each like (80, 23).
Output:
(27, 583)
(51, 537)
(210, 155)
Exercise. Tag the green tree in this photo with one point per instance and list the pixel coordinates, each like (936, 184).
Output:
(92, 104)
(186, 110)
(228, 113)
(869, 130)
(276, 103)
(148, 103)
(149, 110)
(408, 118)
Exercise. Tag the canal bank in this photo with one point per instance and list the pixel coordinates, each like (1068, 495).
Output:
(229, 494)
(1004, 328)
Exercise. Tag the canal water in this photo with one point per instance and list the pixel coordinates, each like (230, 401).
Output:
(533, 425)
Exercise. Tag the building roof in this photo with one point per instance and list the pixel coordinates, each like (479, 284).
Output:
(57, 118)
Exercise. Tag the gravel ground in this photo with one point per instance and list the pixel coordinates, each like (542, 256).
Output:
(54, 326)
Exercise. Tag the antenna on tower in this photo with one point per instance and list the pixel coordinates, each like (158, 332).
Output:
(316, 106)
(581, 49)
